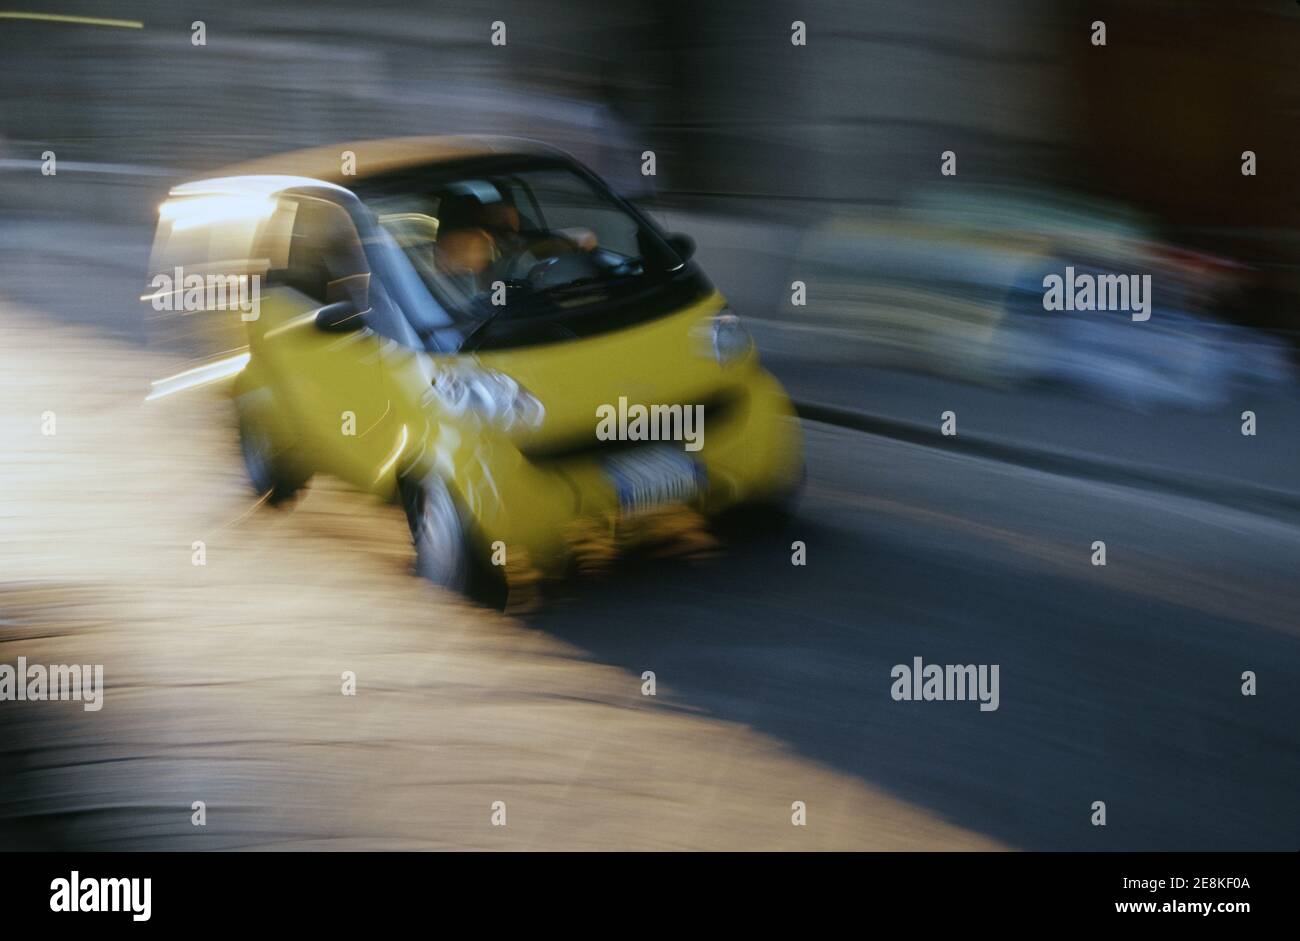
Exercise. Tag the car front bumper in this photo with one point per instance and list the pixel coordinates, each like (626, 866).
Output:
(558, 510)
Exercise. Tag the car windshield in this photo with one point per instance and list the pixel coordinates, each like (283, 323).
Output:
(525, 240)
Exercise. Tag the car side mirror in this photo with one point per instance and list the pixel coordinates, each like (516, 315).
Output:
(339, 317)
(682, 244)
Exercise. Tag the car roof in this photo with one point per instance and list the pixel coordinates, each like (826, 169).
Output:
(374, 157)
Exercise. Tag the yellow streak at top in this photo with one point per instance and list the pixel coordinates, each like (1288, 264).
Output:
(65, 18)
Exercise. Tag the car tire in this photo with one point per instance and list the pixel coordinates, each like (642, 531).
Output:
(438, 533)
(270, 473)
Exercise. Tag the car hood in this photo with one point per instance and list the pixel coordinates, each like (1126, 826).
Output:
(667, 361)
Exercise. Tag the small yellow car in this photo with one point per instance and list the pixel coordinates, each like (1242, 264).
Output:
(480, 329)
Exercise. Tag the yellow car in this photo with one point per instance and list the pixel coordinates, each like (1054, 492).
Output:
(480, 329)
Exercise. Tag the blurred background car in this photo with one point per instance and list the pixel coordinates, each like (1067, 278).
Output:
(951, 283)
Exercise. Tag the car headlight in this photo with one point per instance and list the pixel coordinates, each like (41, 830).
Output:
(731, 341)
(493, 396)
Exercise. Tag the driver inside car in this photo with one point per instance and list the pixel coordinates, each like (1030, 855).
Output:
(479, 234)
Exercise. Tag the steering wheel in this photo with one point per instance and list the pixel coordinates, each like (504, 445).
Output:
(562, 269)
(522, 262)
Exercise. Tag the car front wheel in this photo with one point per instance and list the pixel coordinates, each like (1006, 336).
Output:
(441, 552)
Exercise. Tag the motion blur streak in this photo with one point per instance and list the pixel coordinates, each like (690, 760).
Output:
(81, 20)
(198, 376)
(812, 180)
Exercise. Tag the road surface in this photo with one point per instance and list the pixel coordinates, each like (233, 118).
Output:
(1119, 684)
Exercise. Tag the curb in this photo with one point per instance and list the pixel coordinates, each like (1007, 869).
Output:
(1225, 491)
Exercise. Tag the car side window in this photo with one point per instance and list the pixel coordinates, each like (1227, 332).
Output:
(326, 261)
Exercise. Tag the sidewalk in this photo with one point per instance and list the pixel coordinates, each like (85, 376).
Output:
(1208, 447)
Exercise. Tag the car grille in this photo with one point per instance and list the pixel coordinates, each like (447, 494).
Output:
(718, 410)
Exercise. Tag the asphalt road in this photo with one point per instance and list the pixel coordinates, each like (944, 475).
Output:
(1119, 684)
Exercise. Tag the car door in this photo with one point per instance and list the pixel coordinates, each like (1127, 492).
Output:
(312, 338)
